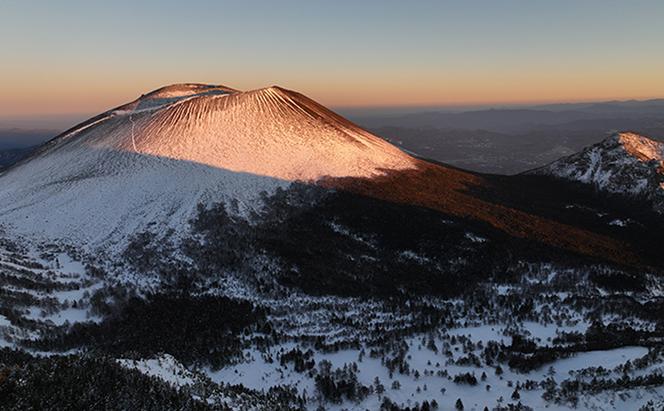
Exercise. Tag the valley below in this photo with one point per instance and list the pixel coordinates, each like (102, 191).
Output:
(550, 337)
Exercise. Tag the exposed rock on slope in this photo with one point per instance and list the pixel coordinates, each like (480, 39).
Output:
(625, 163)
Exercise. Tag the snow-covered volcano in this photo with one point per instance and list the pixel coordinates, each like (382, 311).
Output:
(149, 163)
(625, 163)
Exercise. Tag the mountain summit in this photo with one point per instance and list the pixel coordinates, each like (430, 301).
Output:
(625, 163)
(270, 132)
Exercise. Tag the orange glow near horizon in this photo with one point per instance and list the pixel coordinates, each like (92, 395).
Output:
(91, 95)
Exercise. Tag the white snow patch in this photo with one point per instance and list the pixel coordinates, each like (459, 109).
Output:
(475, 238)
(165, 367)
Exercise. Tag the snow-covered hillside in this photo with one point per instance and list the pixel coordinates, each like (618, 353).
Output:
(625, 163)
(149, 163)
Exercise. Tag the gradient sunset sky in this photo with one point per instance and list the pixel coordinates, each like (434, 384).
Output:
(60, 57)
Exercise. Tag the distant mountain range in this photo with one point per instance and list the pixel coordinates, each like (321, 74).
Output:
(14, 155)
(14, 138)
(16, 144)
(509, 140)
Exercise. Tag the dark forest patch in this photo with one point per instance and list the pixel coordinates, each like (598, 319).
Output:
(341, 243)
(205, 329)
(84, 383)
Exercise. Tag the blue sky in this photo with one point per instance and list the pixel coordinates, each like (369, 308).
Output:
(84, 56)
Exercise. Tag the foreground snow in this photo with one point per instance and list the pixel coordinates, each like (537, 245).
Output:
(255, 373)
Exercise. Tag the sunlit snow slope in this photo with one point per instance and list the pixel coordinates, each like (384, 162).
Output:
(147, 164)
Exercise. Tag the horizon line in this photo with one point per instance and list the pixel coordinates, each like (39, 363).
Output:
(387, 109)
(433, 106)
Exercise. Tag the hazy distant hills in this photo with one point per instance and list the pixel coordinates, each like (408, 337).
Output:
(13, 155)
(508, 141)
(20, 136)
(16, 144)
(524, 119)
(640, 107)
(13, 138)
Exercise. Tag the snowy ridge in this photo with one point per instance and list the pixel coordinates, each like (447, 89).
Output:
(625, 163)
(149, 163)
